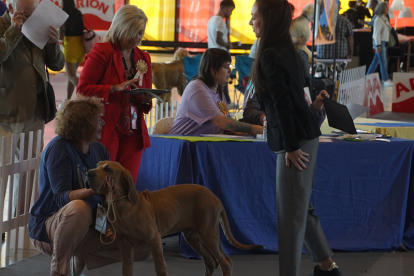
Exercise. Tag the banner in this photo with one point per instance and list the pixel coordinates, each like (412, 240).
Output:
(373, 95)
(326, 16)
(403, 92)
(97, 14)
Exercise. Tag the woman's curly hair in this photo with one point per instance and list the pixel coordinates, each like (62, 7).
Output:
(77, 119)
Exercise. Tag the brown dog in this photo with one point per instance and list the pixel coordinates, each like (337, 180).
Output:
(188, 208)
(169, 75)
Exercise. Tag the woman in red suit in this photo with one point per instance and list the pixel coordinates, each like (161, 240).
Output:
(111, 68)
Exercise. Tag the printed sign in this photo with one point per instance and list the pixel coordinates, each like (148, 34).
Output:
(97, 14)
(372, 98)
(403, 93)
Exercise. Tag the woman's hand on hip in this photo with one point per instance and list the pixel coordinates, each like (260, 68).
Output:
(379, 49)
(124, 85)
(297, 157)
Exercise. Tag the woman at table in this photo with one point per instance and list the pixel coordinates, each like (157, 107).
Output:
(293, 134)
(62, 219)
(111, 68)
(380, 37)
(203, 108)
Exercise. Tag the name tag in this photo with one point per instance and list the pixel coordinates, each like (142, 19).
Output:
(100, 223)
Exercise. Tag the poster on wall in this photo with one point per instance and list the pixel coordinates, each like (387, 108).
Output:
(97, 14)
(326, 16)
(403, 92)
(372, 93)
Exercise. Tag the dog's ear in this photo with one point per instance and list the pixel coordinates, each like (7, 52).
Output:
(130, 187)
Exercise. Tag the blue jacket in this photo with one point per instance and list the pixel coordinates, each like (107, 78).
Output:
(62, 170)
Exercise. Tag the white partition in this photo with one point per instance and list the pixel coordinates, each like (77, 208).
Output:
(351, 88)
(160, 111)
(15, 223)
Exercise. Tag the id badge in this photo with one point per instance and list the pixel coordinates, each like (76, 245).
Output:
(100, 223)
(134, 117)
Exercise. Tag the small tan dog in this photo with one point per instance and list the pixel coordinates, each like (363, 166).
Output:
(148, 216)
(169, 75)
(300, 28)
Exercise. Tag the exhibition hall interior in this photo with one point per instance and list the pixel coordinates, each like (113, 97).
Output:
(224, 137)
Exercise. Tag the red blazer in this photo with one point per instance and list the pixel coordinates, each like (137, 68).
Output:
(103, 68)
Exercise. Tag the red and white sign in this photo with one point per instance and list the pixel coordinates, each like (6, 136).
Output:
(372, 98)
(403, 93)
(97, 14)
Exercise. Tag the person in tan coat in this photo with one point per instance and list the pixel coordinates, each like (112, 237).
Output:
(23, 76)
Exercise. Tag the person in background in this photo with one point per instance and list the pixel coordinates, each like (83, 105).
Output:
(372, 4)
(23, 98)
(382, 28)
(62, 220)
(72, 34)
(362, 12)
(344, 42)
(254, 112)
(3, 8)
(202, 109)
(112, 68)
(293, 134)
(352, 15)
(218, 36)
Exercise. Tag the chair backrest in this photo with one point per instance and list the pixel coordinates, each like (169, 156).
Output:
(351, 88)
(191, 66)
(16, 223)
(163, 126)
(243, 66)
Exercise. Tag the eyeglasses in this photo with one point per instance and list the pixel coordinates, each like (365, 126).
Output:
(229, 66)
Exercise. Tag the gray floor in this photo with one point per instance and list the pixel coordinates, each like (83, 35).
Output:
(351, 263)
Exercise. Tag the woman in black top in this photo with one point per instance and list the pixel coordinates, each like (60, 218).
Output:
(293, 134)
(72, 34)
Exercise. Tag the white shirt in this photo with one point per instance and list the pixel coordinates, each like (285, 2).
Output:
(382, 30)
(253, 50)
(216, 24)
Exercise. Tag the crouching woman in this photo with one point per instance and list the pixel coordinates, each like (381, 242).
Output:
(62, 220)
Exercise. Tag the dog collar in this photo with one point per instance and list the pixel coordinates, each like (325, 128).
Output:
(306, 17)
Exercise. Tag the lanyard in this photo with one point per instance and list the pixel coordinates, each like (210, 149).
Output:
(129, 75)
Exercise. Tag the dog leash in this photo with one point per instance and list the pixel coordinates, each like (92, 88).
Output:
(110, 202)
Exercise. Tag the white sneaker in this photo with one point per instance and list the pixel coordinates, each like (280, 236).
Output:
(388, 83)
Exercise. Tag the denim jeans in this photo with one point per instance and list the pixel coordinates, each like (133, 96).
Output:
(380, 58)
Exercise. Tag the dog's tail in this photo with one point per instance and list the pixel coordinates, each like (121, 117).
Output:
(229, 235)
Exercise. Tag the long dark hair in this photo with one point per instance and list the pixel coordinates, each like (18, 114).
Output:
(212, 58)
(276, 20)
(68, 5)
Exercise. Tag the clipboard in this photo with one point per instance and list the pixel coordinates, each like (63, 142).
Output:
(153, 92)
(338, 116)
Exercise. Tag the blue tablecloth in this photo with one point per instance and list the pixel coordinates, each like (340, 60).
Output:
(387, 124)
(360, 189)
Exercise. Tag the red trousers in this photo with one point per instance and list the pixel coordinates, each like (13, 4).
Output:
(125, 149)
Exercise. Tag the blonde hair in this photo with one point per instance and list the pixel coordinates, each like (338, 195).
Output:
(77, 119)
(128, 20)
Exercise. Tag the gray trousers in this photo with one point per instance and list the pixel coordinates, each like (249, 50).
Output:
(297, 225)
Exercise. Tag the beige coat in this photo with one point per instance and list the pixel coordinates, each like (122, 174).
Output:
(18, 67)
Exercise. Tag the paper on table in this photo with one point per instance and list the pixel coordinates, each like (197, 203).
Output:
(37, 26)
(324, 140)
(356, 109)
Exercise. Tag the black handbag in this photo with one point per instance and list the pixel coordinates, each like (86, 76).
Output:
(50, 109)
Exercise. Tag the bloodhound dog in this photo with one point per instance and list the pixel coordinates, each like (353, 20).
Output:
(148, 216)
